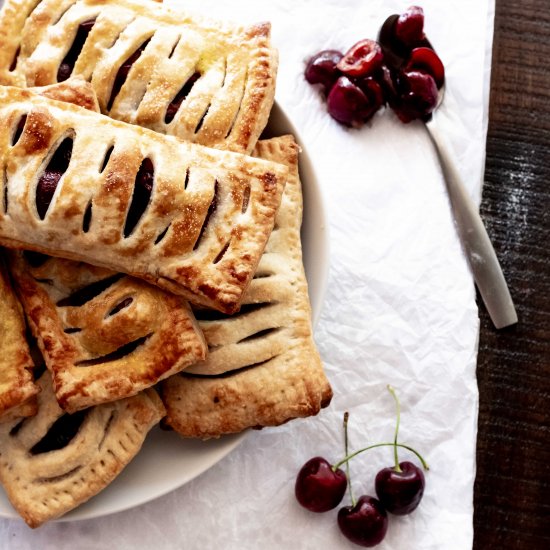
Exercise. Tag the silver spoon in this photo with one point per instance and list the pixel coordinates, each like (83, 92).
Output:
(477, 246)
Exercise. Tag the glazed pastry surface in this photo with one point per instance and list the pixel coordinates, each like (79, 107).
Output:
(201, 80)
(17, 389)
(53, 462)
(263, 367)
(104, 336)
(82, 186)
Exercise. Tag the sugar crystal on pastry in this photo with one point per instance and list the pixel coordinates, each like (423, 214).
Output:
(201, 233)
(263, 367)
(52, 462)
(174, 72)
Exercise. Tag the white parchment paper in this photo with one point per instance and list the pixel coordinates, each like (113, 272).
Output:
(400, 309)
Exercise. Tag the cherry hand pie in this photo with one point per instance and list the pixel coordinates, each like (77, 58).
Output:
(17, 389)
(104, 336)
(51, 463)
(82, 186)
(262, 367)
(200, 80)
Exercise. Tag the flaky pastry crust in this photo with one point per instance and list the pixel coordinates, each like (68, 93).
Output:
(75, 90)
(201, 80)
(51, 463)
(203, 228)
(262, 368)
(104, 336)
(108, 341)
(17, 388)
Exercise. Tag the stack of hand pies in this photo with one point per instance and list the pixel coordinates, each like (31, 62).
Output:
(152, 243)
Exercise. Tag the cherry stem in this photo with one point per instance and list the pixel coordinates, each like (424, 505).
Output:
(398, 407)
(346, 418)
(352, 455)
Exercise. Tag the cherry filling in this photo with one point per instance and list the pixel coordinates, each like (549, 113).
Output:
(61, 433)
(67, 65)
(142, 194)
(175, 104)
(48, 181)
(122, 73)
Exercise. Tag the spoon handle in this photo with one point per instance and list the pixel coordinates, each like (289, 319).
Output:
(475, 240)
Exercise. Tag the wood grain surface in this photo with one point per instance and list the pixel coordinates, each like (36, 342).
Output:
(512, 491)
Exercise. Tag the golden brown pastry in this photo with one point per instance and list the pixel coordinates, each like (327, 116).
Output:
(51, 463)
(17, 389)
(75, 90)
(103, 335)
(26, 409)
(80, 185)
(203, 81)
(262, 368)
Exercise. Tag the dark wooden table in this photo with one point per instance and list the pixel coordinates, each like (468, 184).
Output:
(512, 491)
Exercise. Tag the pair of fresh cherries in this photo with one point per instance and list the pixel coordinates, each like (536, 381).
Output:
(320, 487)
(401, 70)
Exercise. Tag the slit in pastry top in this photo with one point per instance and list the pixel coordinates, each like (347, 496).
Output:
(53, 172)
(55, 461)
(190, 219)
(114, 334)
(67, 65)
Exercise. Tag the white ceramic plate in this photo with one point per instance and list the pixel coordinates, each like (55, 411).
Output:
(167, 461)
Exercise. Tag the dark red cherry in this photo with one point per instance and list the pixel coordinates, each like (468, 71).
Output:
(321, 69)
(394, 50)
(365, 523)
(318, 488)
(64, 71)
(372, 89)
(409, 27)
(362, 59)
(66, 67)
(400, 492)
(417, 96)
(348, 104)
(427, 61)
(48, 181)
(386, 79)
